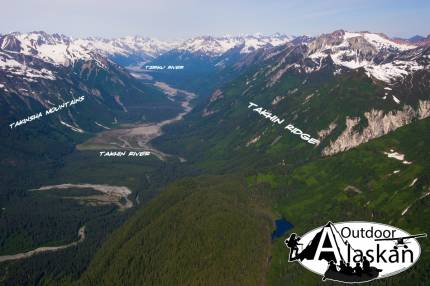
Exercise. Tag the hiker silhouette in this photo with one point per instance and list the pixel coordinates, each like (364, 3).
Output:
(338, 269)
(293, 243)
(311, 249)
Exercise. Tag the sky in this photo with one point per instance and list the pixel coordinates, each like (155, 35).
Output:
(180, 19)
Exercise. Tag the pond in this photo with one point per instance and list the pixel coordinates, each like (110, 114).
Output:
(282, 226)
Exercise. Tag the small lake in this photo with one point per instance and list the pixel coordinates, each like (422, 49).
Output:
(282, 226)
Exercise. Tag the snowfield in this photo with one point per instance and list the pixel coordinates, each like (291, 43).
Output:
(352, 50)
(24, 70)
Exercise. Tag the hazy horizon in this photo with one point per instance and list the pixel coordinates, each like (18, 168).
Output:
(176, 20)
(203, 35)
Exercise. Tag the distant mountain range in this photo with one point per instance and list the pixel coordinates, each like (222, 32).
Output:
(53, 46)
(61, 49)
(58, 49)
(40, 70)
(418, 40)
(343, 88)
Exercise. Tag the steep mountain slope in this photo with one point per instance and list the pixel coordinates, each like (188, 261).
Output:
(128, 51)
(217, 46)
(55, 49)
(211, 61)
(380, 56)
(222, 225)
(49, 61)
(61, 49)
(369, 183)
(315, 87)
(419, 40)
(202, 231)
(41, 72)
(343, 89)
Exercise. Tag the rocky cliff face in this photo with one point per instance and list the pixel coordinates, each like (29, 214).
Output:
(424, 109)
(378, 124)
(326, 132)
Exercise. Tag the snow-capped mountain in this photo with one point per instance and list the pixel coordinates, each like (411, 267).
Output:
(420, 41)
(127, 46)
(211, 61)
(39, 71)
(62, 50)
(56, 49)
(383, 58)
(347, 88)
(37, 55)
(128, 51)
(29, 71)
(37, 68)
(216, 46)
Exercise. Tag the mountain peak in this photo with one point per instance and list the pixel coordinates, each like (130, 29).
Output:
(215, 46)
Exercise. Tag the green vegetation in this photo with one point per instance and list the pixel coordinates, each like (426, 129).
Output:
(208, 221)
(222, 140)
(33, 219)
(175, 240)
(314, 193)
(201, 231)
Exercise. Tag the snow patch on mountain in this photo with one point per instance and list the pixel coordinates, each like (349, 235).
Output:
(216, 46)
(72, 127)
(389, 71)
(55, 49)
(382, 42)
(62, 50)
(252, 43)
(413, 182)
(101, 125)
(127, 46)
(365, 50)
(396, 99)
(395, 155)
(209, 45)
(11, 66)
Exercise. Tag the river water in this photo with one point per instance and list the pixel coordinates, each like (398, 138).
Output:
(138, 136)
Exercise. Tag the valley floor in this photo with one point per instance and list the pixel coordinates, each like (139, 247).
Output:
(139, 136)
(81, 236)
